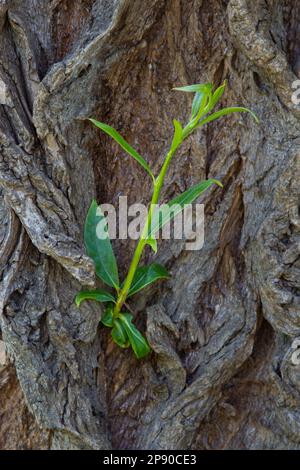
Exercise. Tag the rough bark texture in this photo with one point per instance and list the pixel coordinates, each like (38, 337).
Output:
(221, 330)
(18, 428)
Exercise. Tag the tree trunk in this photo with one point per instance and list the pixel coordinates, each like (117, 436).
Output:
(222, 329)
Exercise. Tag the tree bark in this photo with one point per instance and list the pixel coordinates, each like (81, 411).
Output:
(222, 329)
(18, 428)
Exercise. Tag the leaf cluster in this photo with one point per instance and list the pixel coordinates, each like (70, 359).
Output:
(98, 246)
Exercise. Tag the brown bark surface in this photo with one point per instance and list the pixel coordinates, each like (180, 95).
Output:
(18, 427)
(222, 329)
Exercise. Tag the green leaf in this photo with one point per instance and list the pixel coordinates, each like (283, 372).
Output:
(100, 249)
(200, 112)
(197, 102)
(108, 317)
(98, 294)
(138, 343)
(146, 275)
(217, 95)
(125, 146)
(177, 205)
(194, 88)
(224, 112)
(153, 243)
(119, 334)
(202, 95)
(177, 139)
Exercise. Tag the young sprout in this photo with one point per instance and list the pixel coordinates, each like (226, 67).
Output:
(123, 331)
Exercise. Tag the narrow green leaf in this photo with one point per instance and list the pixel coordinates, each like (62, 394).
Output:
(199, 108)
(200, 112)
(100, 249)
(108, 317)
(217, 95)
(194, 88)
(197, 103)
(177, 139)
(119, 334)
(202, 95)
(177, 205)
(153, 243)
(125, 146)
(146, 275)
(224, 112)
(138, 343)
(98, 294)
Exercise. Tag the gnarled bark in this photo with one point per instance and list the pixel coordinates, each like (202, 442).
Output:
(221, 330)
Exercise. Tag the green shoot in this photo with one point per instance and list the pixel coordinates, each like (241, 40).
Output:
(123, 332)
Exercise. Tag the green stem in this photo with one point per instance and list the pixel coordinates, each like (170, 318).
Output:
(143, 239)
